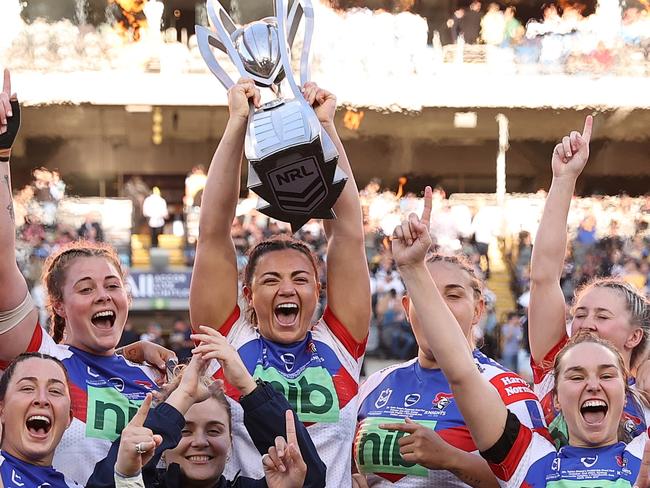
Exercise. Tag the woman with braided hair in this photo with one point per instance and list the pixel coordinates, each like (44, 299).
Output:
(607, 307)
(410, 407)
(89, 305)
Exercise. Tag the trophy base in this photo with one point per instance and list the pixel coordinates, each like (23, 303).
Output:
(297, 184)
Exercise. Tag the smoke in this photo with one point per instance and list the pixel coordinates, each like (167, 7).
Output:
(10, 23)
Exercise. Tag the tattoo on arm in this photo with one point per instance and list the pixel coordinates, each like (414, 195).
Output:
(10, 207)
(131, 353)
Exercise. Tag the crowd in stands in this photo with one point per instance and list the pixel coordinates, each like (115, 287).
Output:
(609, 236)
(561, 39)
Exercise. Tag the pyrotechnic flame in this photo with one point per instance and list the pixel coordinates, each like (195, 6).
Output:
(133, 18)
(352, 119)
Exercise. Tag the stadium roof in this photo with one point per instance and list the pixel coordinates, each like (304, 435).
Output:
(453, 88)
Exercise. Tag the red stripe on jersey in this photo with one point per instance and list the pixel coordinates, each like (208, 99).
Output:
(345, 385)
(393, 478)
(228, 389)
(505, 470)
(546, 365)
(224, 330)
(79, 402)
(33, 346)
(458, 437)
(548, 408)
(512, 388)
(355, 348)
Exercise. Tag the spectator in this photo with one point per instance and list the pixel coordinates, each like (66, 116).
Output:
(153, 334)
(194, 184)
(632, 275)
(91, 230)
(129, 336)
(493, 26)
(511, 335)
(513, 30)
(472, 22)
(395, 331)
(154, 208)
(179, 340)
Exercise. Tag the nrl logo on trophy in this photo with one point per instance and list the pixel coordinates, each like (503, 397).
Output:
(292, 162)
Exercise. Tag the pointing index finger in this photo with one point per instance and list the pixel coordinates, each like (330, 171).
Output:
(405, 427)
(141, 415)
(292, 438)
(586, 132)
(6, 85)
(426, 213)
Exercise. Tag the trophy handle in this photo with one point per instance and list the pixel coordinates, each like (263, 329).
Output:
(205, 37)
(305, 59)
(296, 12)
(225, 27)
(293, 18)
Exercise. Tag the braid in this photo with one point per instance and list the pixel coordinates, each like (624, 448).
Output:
(58, 328)
(463, 263)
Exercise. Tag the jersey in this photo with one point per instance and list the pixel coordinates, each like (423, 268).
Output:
(424, 395)
(106, 392)
(319, 377)
(529, 460)
(635, 414)
(19, 474)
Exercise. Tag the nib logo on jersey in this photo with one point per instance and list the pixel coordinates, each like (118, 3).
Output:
(311, 394)
(376, 450)
(108, 412)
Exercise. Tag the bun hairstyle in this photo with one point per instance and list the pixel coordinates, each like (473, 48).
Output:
(55, 269)
(635, 303)
(276, 243)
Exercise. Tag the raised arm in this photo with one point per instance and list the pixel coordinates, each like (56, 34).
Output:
(213, 293)
(546, 316)
(18, 317)
(475, 397)
(348, 282)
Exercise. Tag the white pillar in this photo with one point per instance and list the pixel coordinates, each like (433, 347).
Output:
(502, 120)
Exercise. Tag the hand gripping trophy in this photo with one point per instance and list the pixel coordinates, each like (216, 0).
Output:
(292, 162)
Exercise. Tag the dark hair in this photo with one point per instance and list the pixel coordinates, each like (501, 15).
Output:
(215, 394)
(635, 303)
(275, 243)
(54, 274)
(9, 372)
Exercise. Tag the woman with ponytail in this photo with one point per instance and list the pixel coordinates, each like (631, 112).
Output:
(89, 305)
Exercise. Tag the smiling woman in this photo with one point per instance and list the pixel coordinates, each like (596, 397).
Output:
(34, 411)
(314, 363)
(590, 392)
(89, 306)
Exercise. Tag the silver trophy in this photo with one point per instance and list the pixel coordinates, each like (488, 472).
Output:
(292, 162)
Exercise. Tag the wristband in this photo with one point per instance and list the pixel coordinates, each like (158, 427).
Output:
(122, 481)
(13, 124)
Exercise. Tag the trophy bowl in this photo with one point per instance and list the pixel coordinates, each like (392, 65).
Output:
(258, 46)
